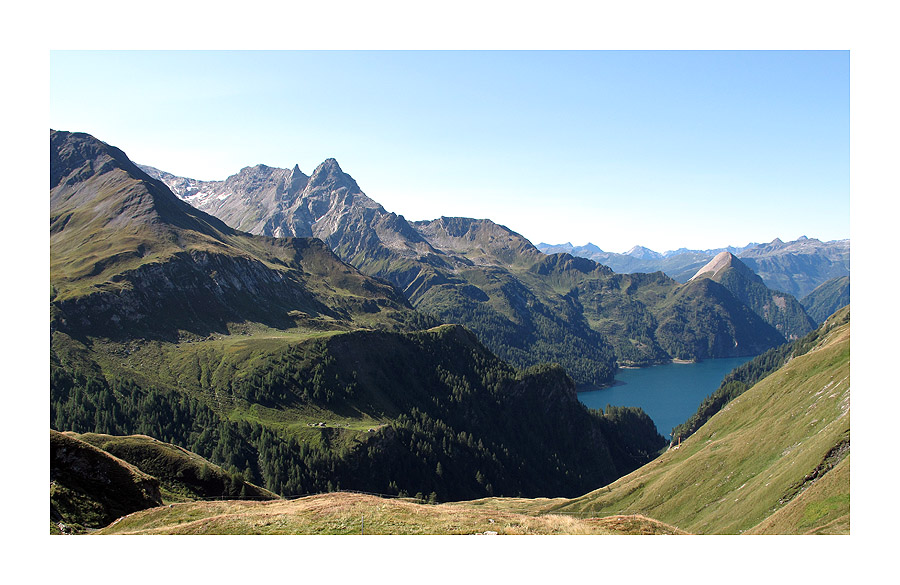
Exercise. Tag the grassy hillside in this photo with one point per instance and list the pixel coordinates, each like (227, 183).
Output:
(774, 459)
(182, 475)
(745, 376)
(95, 479)
(90, 488)
(348, 513)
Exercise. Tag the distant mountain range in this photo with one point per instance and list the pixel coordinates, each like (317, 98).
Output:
(795, 267)
(527, 306)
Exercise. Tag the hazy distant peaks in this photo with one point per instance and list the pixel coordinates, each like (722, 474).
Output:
(643, 253)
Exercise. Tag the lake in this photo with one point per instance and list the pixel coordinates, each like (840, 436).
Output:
(669, 393)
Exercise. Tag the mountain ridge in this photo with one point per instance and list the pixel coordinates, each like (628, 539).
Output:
(526, 307)
(116, 234)
(794, 267)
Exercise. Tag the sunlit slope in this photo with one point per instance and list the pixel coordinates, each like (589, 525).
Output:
(823, 509)
(776, 457)
(348, 513)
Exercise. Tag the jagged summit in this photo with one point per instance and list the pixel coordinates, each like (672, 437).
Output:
(329, 172)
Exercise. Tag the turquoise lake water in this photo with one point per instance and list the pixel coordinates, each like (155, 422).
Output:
(669, 393)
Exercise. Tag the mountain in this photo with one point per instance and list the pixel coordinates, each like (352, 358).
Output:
(524, 305)
(827, 298)
(800, 266)
(780, 310)
(794, 267)
(275, 360)
(182, 475)
(776, 459)
(643, 253)
(126, 254)
(586, 251)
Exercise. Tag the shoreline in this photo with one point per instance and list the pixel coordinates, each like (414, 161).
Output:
(585, 388)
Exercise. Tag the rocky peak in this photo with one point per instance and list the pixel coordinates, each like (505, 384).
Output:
(721, 262)
(329, 174)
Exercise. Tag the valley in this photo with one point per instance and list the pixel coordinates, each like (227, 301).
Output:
(743, 472)
(668, 393)
(335, 348)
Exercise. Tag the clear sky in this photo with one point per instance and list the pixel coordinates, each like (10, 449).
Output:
(664, 149)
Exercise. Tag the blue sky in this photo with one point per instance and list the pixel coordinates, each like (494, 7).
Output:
(665, 149)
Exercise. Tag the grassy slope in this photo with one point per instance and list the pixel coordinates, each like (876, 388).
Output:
(182, 475)
(823, 509)
(90, 488)
(348, 513)
(733, 472)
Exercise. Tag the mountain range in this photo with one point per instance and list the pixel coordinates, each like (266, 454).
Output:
(526, 306)
(275, 366)
(795, 267)
(279, 362)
